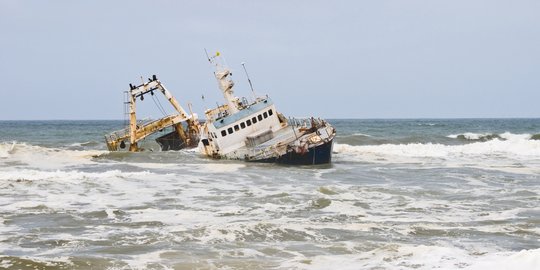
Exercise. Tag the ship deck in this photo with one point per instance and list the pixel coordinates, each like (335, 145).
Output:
(281, 137)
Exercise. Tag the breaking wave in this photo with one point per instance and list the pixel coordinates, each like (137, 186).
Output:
(514, 152)
(514, 148)
(6, 149)
(44, 157)
(361, 135)
(470, 136)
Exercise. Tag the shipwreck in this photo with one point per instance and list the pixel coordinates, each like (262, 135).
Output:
(253, 131)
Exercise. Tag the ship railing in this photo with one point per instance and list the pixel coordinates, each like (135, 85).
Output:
(115, 135)
(146, 121)
(305, 122)
(122, 134)
(114, 138)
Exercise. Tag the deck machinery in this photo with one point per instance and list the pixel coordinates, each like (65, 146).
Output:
(185, 126)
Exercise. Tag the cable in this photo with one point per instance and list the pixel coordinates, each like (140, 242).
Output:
(158, 104)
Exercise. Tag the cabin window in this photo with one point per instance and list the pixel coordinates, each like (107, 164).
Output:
(243, 125)
(270, 112)
(223, 133)
(236, 128)
(265, 114)
(254, 119)
(248, 122)
(230, 130)
(260, 117)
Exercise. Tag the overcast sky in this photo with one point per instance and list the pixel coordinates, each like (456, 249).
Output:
(335, 59)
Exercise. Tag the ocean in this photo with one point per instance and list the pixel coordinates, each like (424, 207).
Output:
(400, 194)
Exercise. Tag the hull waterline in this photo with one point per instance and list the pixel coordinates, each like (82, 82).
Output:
(321, 154)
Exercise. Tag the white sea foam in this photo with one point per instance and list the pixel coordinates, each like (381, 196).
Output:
(217, 167)
(344, 208)
(45, 158)
(51, 262)
(478, 136)
(147, 165)
(5, 263)
(469, 135)
(143, 261)
(518, 137)
(128, 187)
(523, 260)
(420, 257)
(6, 149)
(186, 218)
(512, 148)
(495, 154)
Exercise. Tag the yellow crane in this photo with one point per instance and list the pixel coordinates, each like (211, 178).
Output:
(181, 137)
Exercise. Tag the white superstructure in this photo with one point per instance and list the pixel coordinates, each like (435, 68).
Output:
(255, 131)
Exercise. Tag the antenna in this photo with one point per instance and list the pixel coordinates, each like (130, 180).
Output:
(207, 57)
(249, 80)
(190, 109)
(204, 102)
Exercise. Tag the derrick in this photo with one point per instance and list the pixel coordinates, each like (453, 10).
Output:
(186, 126)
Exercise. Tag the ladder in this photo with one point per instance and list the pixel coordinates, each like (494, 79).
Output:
(136, 131)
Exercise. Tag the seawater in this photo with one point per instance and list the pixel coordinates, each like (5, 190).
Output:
(400, 194)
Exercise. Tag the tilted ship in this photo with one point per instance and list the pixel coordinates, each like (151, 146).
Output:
(252, 131)
(256, 131)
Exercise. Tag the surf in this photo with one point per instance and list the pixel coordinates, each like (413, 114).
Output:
(512, 153)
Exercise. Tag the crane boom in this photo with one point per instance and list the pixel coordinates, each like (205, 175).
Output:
(136, 132)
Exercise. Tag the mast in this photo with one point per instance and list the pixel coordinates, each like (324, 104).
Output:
(132, 122)
(249, 80)
(225, 83)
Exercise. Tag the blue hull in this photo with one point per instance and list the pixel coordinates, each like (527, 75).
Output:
(321, 154)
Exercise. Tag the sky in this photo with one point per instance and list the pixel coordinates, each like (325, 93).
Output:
(333, 59)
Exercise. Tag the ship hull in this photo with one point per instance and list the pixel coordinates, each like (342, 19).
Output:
(172, 141)
(320, 154)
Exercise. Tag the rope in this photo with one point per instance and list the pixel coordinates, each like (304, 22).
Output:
(158, 104)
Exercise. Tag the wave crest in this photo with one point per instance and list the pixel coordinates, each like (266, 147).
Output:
(471, 136)
(496, 147)
(6, 149)
(517, 154)
(44, 157)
